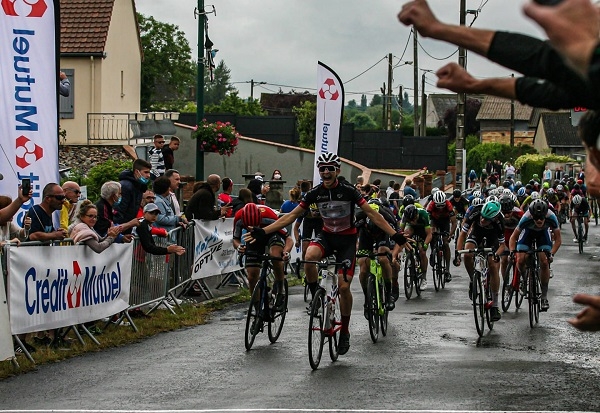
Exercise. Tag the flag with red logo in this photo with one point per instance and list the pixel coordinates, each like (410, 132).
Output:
(28, 96)
(330, 106)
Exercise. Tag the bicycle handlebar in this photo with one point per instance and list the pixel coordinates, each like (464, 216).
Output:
(372, 255)
(323, 265)
(474, 250)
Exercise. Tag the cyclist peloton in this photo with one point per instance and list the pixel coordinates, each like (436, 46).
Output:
(370, 238)
(483, 228)
(443, 219)
(459, 203)
(580, 208)
(336, 201)
(279, 243)
(415, 221)
(540, 224)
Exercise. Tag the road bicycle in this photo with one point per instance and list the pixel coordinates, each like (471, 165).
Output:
(325, 314)
(563, 215)
(267, 304)
(412, 269)
(580, 233)
(459, 218)
(513, 285)
(437, 261)
(533, 285)
(376, 295)
(480, 290)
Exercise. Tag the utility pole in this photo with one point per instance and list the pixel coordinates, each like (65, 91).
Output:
(389, 93)
(400, 102)
(460, 113)
(423, 106)
(252, 83)
(200, 89)
(416, 79)
(512, 120)
(383, 105)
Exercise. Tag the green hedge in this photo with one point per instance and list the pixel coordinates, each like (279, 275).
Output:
(534, 164)
(478, 156)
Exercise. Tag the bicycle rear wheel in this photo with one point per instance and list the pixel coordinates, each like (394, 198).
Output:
(316, 336)
(373, 308)
(335, 316)
(416, 275)
(478, 306)
(508, 282)
(383, 318)
(253, 321)
(276, 325)
(305, 288)
(443, 268)
(580, 236)
(436, 269)
(409, 266)
(532, 297)
(487, 299)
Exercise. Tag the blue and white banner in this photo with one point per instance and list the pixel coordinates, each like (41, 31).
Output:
(214, 253)
(330, 107)
(28, 96)
(66, 285)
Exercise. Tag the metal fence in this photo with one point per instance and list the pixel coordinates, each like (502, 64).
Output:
(130, 128)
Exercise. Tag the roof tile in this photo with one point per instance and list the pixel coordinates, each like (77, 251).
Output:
(559, 130)
(84, 25)
(495, 108)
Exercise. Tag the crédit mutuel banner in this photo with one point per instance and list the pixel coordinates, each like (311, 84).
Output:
(330, 106)
(28, 96)
(66, 285)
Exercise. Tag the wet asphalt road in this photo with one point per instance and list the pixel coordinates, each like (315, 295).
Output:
(430, 359)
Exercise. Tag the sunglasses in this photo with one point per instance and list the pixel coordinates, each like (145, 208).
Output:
(76, 191)
(161, 142)
(92, 216)
(326, 168)
(58, 197)
(151, 197)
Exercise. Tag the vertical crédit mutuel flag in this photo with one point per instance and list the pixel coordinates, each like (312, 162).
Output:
(330, 106)
(28, 96)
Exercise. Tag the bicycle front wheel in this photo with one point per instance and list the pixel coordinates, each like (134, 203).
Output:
(253, 321)
(316, 336)
(373, 307)
(276, 325)
(580, 237)
(383, 318)
(335, 317)
(532, 297)
(508, 281)
(478, 305)
(409, 266)
(436, 269)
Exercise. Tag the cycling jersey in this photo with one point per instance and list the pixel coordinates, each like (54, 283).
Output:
(369, 233)
(582, 209)
(267, 217)
(489, 235)
(530, 231)
(336, 206)
(460, 205)
(440, 213)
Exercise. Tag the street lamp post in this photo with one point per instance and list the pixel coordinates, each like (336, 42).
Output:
(200, 89)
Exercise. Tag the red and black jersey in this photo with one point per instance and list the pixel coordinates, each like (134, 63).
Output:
(336, 206)
(441, 213)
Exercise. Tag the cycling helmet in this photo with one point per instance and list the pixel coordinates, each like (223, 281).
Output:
(535, 176)
(560, 187)
(535, 195)
(580, 181)
(374, 206)
(506, 191)
(493, 186)
(576, 186)
(546, 185)
(491, 198)
(251, 215)
(408, 200)
(513, 197)
(439, 198)
(538, 209)
(490, 210)
(434, 190)
(410, 212)
(476, 194)
(551, 191)
(577, 199)
(506, 184)
(521, 191)
(457, 193)
(329, 158)
(476, 201)
(529, 187)
(519, 184)
(506, 203)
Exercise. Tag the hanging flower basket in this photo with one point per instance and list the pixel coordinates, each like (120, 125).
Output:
(219, 137)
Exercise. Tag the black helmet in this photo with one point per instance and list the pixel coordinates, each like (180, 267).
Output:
(410, 212)
(408, 200)
(457, 193)
(538, 209)
(506, 203)
(506, 184)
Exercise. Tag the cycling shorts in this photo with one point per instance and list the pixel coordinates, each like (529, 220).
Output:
(275, 240)
(343, 247)
(366, 241)
(442, 224)
(542, 239)
(310, 227)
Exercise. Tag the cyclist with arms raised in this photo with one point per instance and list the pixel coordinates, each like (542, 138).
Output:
(539, 224)
(336, 202)
(443, 219)
(483, 228)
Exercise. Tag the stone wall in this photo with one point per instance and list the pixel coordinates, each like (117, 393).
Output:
(83, 158)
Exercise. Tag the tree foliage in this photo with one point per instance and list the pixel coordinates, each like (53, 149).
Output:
(478, 156)
(530, 164)
(306, 115)
(232, 103)
(104, 172)
(167, 64)
(363, 121)
(471, 141)
(217, 90)
(471, 123)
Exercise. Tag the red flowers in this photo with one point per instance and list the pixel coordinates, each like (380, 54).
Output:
(219, 137)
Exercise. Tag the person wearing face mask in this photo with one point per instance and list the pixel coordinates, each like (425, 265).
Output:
(133, 185)
(276, 175)
(110, 196)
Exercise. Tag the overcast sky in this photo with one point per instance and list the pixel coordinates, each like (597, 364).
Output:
(281, 41)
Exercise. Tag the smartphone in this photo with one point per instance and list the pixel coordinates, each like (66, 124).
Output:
(548, 2)
(25, 186)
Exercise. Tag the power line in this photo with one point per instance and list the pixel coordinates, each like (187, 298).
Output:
(360, 74)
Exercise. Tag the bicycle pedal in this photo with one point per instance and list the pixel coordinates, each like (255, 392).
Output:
(488, 305)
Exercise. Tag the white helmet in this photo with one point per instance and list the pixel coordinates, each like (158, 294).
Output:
(506, 191)
(491, 198)
(434, 190)
(439, 197)
(535, 195)
(476, 201)
(577, 199)
(476, 194)
(493, 186)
